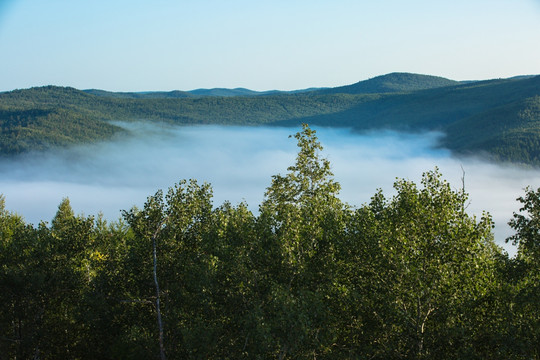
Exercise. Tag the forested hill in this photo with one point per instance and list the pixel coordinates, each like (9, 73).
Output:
(394, 82)
(390, 83)
(500, 118)
(192, 93)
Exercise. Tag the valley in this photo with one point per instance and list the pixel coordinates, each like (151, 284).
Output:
(498, 119)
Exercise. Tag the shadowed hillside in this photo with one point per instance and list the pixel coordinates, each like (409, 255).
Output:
(496, 117)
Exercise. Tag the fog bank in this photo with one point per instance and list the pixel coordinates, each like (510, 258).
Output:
(239, 163)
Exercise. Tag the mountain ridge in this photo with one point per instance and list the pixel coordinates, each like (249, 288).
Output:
(393, 82)
(477, 117)
(389, 83)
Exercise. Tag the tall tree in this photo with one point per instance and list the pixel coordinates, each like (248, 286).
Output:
(423, 266)
(171, 231)
(22, 283)
(525, 280)
(300, 220)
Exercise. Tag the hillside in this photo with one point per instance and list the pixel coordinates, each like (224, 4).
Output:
(27, 130)
(496, 117)
(509, 132)
(44, 117)
(140, 95)
(392, 83)
(214, 92)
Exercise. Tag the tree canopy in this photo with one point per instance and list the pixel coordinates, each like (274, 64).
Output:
(410, 276)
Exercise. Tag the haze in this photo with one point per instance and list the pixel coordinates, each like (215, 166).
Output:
(133, 45)
(239, 163)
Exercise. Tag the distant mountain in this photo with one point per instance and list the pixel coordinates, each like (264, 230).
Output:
(215, 92)
(176, 94)
(230, 92)
(500, 118)
(392, 83)
(519, 77)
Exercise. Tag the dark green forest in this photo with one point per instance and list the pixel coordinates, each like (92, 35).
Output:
(498, 119)
(411, 276)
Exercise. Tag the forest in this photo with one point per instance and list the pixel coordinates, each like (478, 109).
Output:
(407, 276)
(497, 119)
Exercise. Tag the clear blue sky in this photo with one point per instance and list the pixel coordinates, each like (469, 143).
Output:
(133, 45)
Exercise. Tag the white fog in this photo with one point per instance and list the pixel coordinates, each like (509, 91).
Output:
(239, 162)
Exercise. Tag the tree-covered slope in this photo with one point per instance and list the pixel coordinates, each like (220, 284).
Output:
(224, 110)
(140, 95)
(498, 117)
(214, 92)
(42, 128)
(391, 83)
(433, 108)
(508, 132)
(58, 116)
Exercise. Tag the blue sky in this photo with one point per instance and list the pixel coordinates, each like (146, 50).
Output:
(137, 45)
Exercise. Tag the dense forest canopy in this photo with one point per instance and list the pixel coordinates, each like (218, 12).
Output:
(409, 276)
(498, 118)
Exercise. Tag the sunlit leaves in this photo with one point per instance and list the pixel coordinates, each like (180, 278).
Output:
(408, 276)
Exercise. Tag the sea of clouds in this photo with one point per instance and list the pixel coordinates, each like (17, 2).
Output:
(239, 162)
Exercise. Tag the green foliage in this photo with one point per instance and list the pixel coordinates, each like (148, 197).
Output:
(509, 132)
(394, 82)
(39, 128)
(300, 219)
(412, 276)
(497, 117)
(423, 264)
(43, 278)
(528, 228)
(523, 292)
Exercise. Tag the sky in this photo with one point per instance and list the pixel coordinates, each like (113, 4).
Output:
(135, 45)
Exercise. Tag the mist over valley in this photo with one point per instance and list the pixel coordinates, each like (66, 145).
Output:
(239, 162)
(269, 180)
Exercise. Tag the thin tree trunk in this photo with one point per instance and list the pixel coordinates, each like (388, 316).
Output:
(158, 310)
(283, 352)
